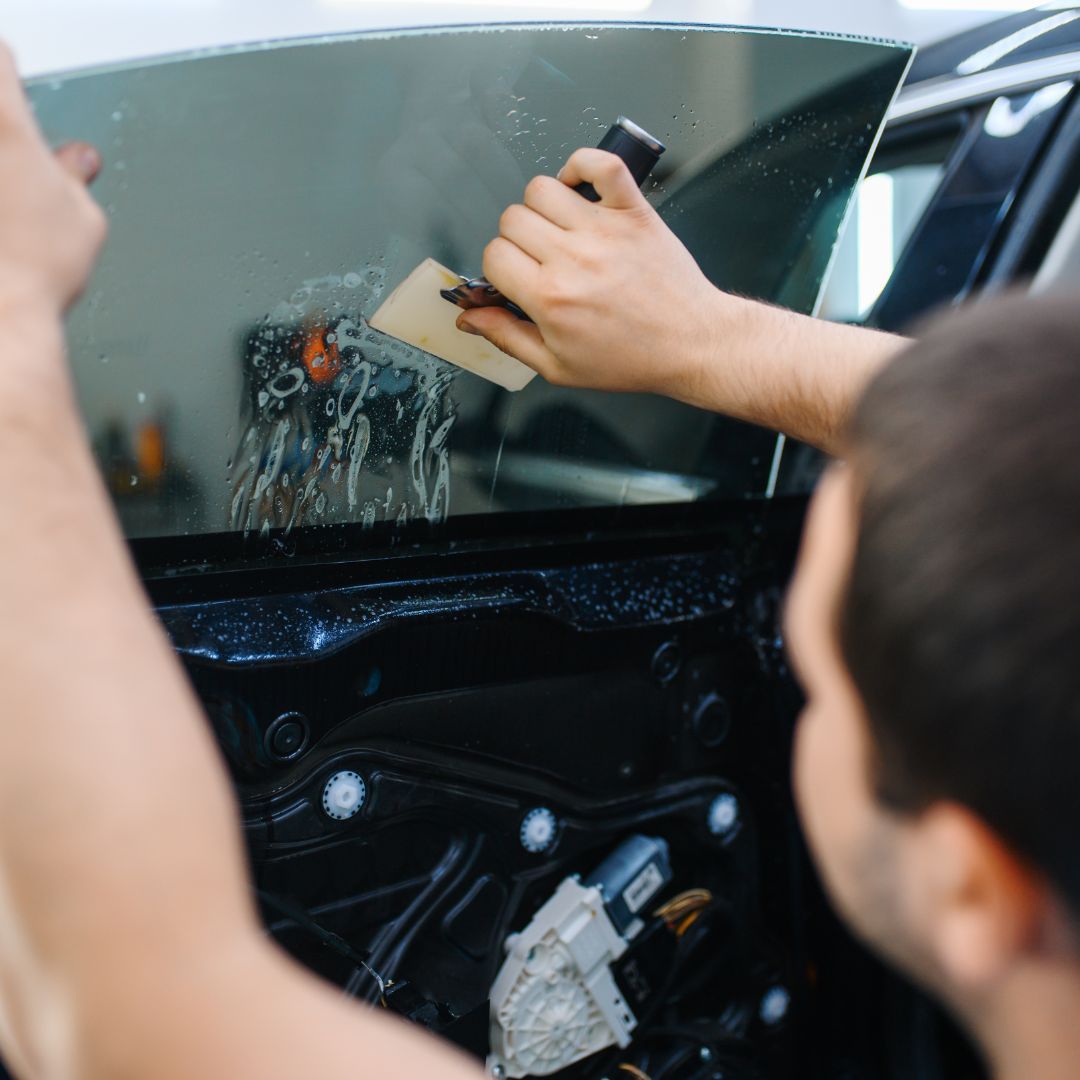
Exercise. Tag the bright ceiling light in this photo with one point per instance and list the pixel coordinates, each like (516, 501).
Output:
(582, 5)
(970, 5)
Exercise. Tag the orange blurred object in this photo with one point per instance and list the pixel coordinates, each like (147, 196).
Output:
(322, 359)
(150, 452)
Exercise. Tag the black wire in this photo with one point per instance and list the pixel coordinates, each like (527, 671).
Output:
(683, 951)
(327, 938)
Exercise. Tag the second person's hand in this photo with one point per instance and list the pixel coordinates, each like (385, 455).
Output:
(50, 228)
(618, 302)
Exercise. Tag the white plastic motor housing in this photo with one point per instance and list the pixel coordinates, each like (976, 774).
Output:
(555, 1000)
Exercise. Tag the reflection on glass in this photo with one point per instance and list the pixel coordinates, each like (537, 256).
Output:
(888, 207)
(264, 200)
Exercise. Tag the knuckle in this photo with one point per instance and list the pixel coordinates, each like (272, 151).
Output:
(609, 166)
(555, 296)
(534, 189)
(490, 260)
(509, 216)
(590, 256)
(642, 215)
(557, 376)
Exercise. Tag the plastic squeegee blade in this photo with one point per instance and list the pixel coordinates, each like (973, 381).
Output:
(416, 313)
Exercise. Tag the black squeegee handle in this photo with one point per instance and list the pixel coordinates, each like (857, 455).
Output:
(638, 149)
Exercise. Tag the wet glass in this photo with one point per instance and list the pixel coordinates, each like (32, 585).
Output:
(263, 200)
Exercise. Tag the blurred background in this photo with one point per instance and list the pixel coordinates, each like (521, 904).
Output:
(50, 35)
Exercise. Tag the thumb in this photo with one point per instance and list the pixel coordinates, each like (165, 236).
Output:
(514, 336)
(80, 160)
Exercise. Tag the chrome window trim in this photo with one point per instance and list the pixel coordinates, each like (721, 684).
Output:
(941, 95)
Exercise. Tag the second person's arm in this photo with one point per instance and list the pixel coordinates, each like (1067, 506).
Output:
(618, 303)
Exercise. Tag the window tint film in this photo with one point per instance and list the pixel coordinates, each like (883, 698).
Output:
(264, 200)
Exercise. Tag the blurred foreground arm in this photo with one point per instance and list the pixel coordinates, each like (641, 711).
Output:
(129, 946)
(619, 304)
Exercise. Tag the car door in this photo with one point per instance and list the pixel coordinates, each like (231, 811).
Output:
(462, 647)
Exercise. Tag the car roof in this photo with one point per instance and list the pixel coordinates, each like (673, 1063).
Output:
(1007, 56)
(1049, 30)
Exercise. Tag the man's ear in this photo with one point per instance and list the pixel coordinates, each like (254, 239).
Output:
(980, 907)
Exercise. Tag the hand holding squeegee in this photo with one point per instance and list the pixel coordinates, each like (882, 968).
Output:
(640, 152)
(417, 311)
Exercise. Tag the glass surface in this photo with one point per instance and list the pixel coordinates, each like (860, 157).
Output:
(889, 204)
(263, 200)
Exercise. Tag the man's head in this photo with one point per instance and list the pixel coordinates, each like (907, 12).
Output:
(935, 624)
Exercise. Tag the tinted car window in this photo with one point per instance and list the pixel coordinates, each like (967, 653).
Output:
(263, 201)
(888, 206)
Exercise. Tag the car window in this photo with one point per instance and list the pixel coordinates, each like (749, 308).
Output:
(888, 205)
(264, 199)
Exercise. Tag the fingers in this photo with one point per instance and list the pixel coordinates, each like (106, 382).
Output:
(10, 90)
(507, 332)
(511, 271)
(15, 112)
(531, 232)
(80, 160)
(558, 203)
(607, 173)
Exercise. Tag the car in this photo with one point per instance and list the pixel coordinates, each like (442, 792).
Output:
(499, 678)
(976, 176)
(980, 154)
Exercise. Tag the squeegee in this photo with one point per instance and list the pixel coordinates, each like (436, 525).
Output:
(419, 310)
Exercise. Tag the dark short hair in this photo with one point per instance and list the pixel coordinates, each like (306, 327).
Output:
(961, 620)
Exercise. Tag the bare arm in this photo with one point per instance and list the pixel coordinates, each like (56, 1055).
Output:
(129, 946)
(619, 304)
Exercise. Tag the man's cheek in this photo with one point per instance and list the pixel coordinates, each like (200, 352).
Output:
(819, 796)
(807, 781)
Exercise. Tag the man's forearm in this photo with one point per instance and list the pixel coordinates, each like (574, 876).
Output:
(618, 303)
(116, 826)
(129, 941)
(129, 944)
(784, 371)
